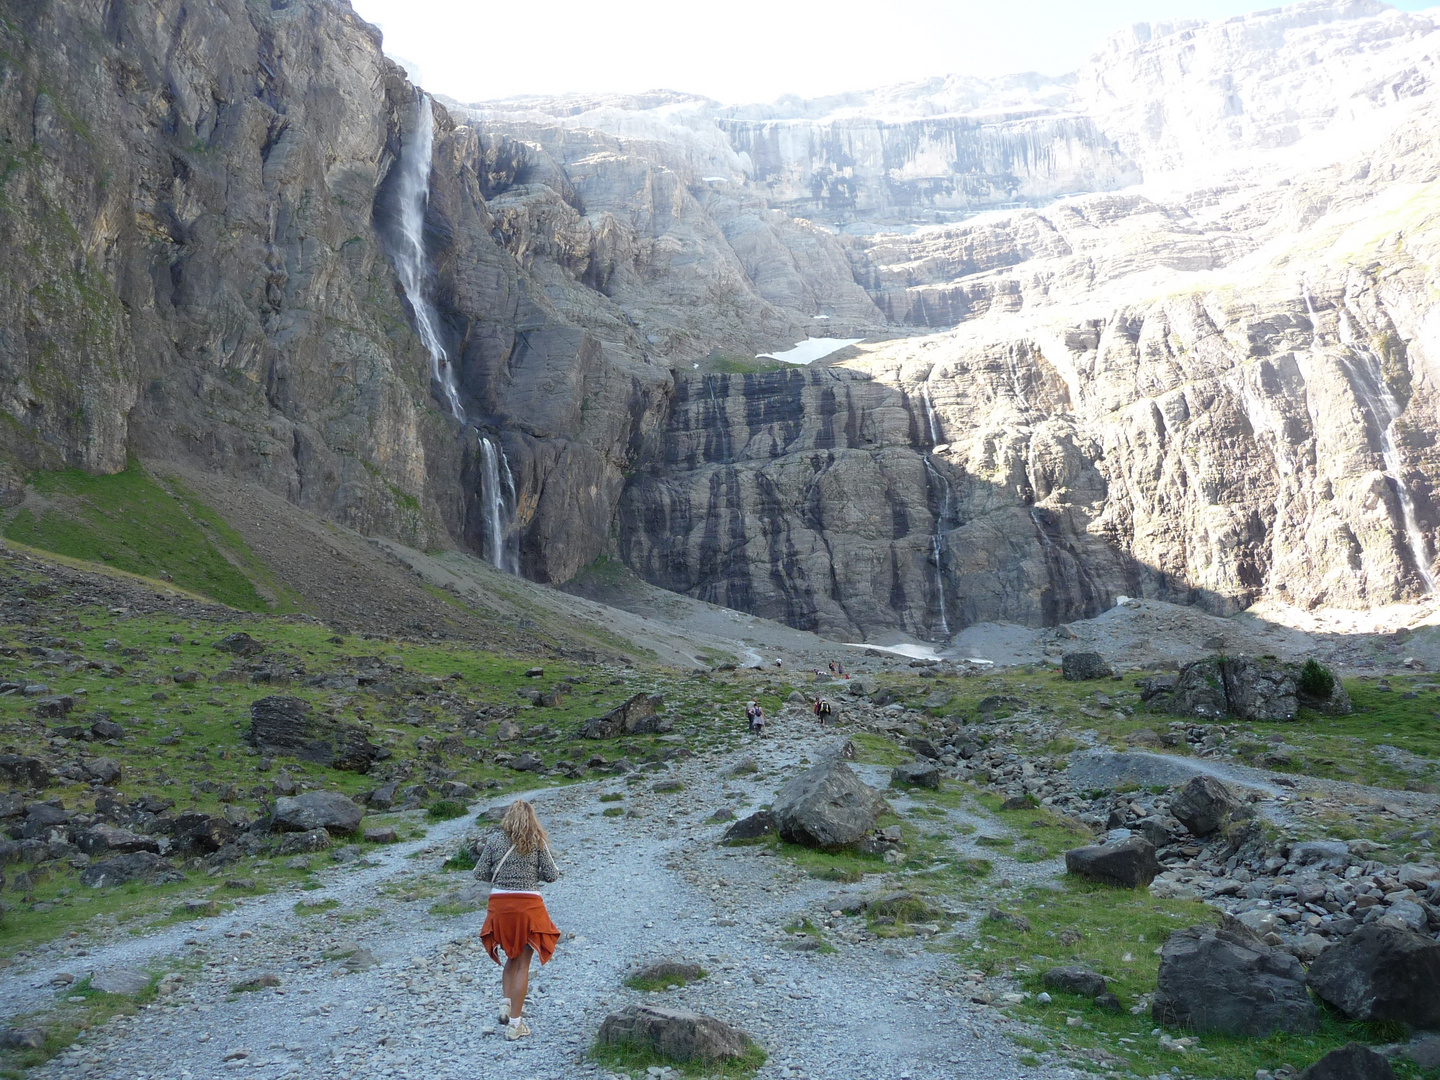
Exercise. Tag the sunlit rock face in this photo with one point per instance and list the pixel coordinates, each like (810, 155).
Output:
(1212, 387)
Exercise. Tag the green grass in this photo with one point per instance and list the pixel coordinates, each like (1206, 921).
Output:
(130, 521)
(317, 907)
(1042, 834)
(636, 1060)
(650, 985)
(64, 1021)
(878, 750)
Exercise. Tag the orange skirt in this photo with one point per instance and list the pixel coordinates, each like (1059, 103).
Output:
(515, 920)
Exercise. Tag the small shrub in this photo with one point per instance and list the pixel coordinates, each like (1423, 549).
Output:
(444, 810)
(464, 859)
(1316, 680)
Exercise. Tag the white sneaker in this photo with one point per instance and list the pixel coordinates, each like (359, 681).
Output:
(516, 1029)
(504, 1011)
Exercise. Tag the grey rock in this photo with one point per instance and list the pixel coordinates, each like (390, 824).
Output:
(1407, 913)
(1215, 981)
(1382, 973)
(1074, 980)
(327, 810)
(673, 1034)
(102, 770)
(637, 716)
(120, 981)
(676, 971)
(826, 806)
(241, 644)
(1129, 863)
(194, 833)
(918, 773)
(1353, 1061)
(1334, 853)
(98, 839)
(1424, 1050)
(22, 1038)
(528, 762)
(304, 843)
(761, 823)
(285, 725)
(1082, 666)
(1204, 805)
(140, 866)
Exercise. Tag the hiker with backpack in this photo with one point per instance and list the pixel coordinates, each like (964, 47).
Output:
(515, 860)
(755, 713)
(822, 710)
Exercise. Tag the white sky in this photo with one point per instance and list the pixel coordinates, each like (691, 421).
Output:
(742, 51)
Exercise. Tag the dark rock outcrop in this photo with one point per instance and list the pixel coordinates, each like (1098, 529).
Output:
(924, 774)
(637, 716)
(1075, 980)
(1082, 666)
(140, 866)
(1382, 972)
(287, 725)
(1353, 1061)
(1252, 688)
(752, 827)
(1218, 981)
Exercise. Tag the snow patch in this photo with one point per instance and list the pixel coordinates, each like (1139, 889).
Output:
(810, 350)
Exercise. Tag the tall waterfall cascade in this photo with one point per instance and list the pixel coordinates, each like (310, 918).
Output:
(411, 263)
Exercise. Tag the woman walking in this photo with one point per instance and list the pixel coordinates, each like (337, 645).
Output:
(515, 861)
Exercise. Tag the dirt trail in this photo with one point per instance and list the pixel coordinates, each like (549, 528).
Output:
(633, 889)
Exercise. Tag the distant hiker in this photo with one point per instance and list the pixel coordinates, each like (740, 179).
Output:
(777, 661)
(822, 710)
(757, 719)
(832, 667)
(515, 861)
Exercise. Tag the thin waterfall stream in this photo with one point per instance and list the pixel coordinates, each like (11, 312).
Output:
(939, 536)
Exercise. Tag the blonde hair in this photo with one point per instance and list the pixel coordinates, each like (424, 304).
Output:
(523, 829)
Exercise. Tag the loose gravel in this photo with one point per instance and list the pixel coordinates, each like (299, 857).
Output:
(653, 884)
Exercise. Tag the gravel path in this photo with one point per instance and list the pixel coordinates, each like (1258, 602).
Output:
(634, 888)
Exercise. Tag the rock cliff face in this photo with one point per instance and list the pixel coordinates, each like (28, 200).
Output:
(1215, 387)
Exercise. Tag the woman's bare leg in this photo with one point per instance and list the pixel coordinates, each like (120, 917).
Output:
(515, 981)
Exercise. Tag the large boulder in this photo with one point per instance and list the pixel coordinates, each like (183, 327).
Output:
(1203, 805)
(195, 833)
(674, 1034)
(827, 807)
(1259, 689)
(917, 773)
(637, 716)
(328, 810)
(1075, 980)
(287, 725)
(1129, 863)
(1219, 981)
(1352, 1061)
(1081, 666)
(1250, 687)
(102, 838)
(1382, 972)
(1198, 690)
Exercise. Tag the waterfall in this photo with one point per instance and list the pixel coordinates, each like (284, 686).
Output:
(411, 264)
(497, 502)
(931, 423)
(938, 538)
(1368, 379)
